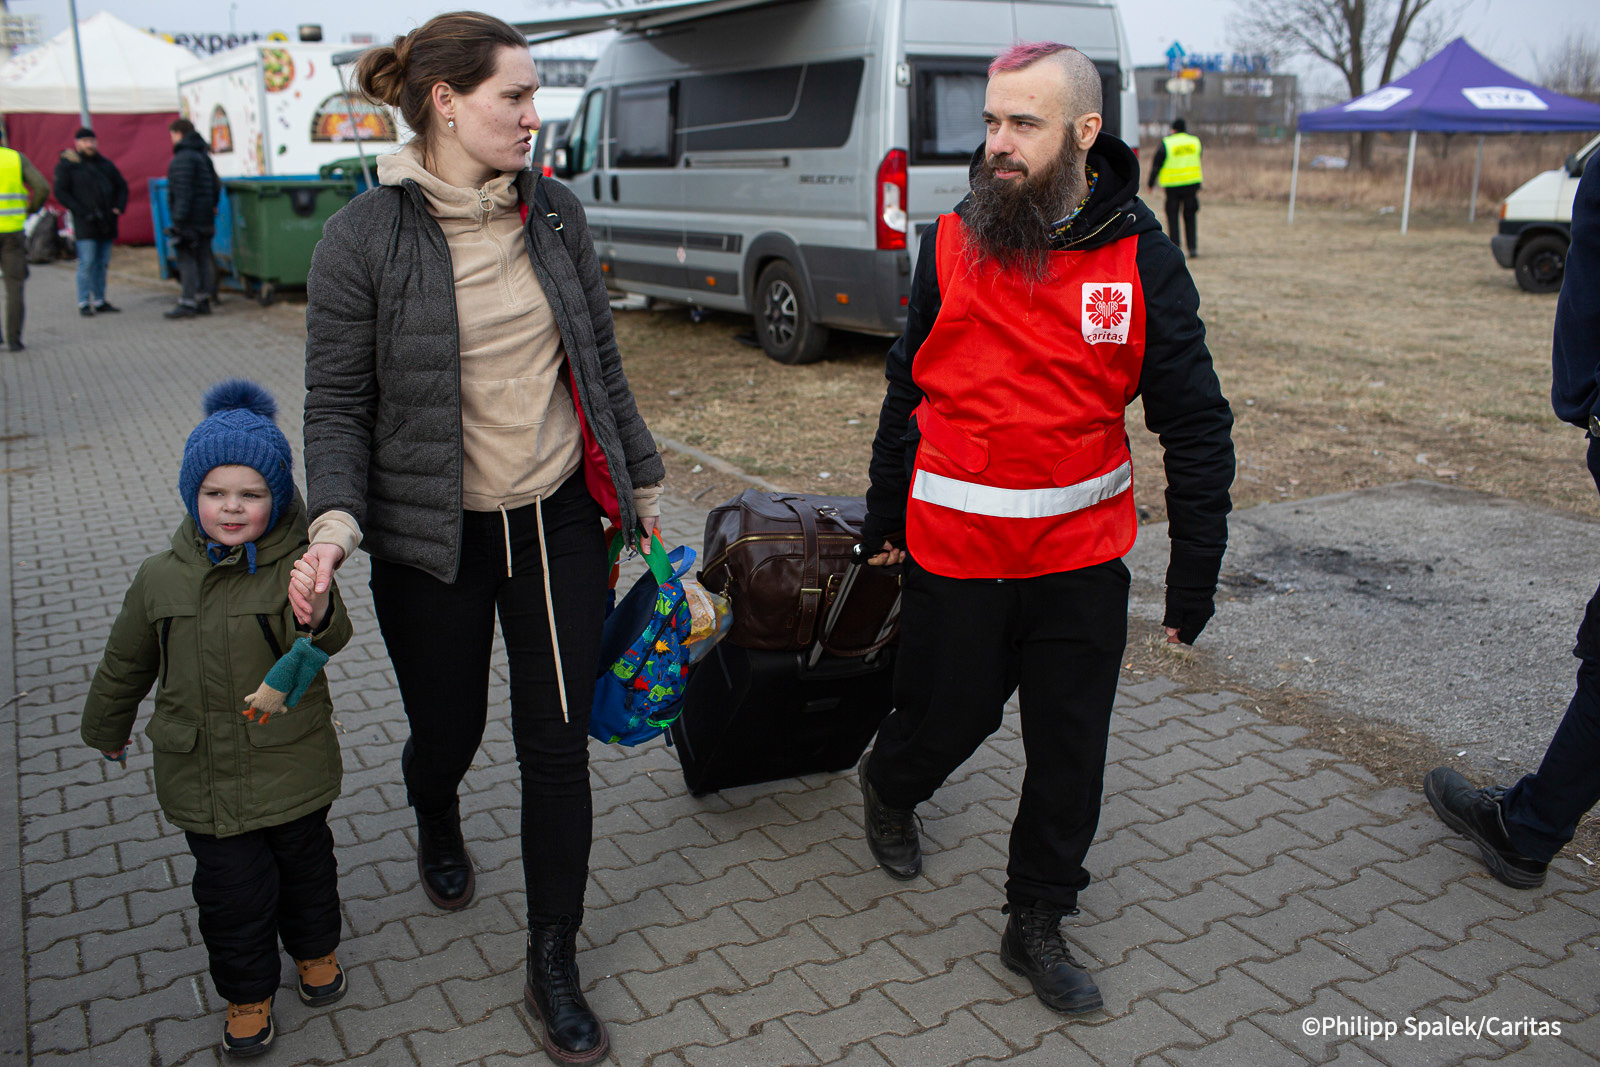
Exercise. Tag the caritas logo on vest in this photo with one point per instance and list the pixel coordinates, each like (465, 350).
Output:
(1107, 309)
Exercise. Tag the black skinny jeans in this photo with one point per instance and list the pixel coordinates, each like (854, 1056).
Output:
(965, 646)
(439, 635)
(254, 888)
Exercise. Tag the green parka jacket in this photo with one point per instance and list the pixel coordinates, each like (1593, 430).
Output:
(198, 632)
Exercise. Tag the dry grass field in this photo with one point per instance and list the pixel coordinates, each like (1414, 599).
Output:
(1353, 357)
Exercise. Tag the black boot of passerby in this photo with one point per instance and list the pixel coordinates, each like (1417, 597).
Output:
(891, 832)
(1032, 947)
(442, 859)
(1477, 813)
(572, 1033)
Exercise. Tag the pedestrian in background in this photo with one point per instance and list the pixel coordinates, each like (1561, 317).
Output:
(1519, 830)
(1176, 168)
(468, 421)
(91, 187)
(192, 194)
(1001, 477)
(23, 190)
(205, 622)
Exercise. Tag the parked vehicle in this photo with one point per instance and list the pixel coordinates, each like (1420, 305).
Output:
(1536, 224)
(781, 159)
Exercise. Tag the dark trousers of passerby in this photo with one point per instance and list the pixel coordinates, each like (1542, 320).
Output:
(14, 264)
(256, 888)
(438, 635)
(94, 259)
(1184, 201)
(965, 646)
(1542, 810)
(192, 250)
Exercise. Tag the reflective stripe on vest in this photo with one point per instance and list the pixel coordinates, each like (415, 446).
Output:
(1182, 165)
(975, 498)
(13, 192)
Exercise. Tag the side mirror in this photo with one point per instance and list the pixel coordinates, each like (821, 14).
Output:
(1574, 168)
(558, 162)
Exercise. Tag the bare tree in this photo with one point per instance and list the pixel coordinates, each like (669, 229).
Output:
(1355, 36)
(1573, 66)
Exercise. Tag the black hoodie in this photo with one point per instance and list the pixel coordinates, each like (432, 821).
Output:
(1183, 401)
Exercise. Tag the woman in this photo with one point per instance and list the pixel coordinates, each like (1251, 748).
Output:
(468, 421)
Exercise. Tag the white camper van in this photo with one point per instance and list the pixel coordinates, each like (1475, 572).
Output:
(780, 158)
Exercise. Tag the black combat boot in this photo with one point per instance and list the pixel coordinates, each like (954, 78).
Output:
(891, 832)
(1032, 947)
(442, 859)
(572, 1033)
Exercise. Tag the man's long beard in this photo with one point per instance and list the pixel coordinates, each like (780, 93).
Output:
(1009, 221)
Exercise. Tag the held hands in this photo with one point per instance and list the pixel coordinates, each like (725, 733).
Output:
(311, 580)
(119, 755)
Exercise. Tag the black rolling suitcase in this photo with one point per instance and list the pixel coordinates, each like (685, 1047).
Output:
(756, 715)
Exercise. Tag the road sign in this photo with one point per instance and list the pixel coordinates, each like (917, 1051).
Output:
(1180, 86)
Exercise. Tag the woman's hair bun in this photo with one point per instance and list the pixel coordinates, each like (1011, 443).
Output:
(381, 71)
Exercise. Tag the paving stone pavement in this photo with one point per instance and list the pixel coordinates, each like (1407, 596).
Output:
(1246, 888)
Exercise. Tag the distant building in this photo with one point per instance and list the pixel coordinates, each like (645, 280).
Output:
(1223, 105)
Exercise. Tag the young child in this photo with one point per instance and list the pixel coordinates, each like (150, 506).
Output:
(205, 622)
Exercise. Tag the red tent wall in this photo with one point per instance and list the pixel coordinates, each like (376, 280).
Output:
(138, 144)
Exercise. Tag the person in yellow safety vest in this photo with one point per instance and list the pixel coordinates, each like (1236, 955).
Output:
(1176, 168)
(23, 190)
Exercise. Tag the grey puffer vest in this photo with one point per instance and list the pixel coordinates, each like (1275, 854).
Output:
(383, 370)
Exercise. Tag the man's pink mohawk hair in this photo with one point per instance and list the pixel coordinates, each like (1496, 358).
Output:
(1025, 54)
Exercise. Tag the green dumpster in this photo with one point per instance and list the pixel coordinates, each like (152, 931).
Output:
(277, 224)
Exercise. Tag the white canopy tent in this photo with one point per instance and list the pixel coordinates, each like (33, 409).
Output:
(132, 80)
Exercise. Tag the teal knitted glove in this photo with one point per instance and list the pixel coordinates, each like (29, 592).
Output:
(286, 682)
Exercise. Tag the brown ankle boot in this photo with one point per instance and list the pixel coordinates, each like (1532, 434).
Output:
(249, 1029)
(321, 980)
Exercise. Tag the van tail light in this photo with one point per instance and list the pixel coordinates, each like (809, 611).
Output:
(549, 171)
(1502, 209)
(891, 200)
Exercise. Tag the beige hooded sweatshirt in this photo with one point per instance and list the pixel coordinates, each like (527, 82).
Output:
(519, 430)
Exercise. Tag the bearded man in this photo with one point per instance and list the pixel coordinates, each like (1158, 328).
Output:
(1001, 478)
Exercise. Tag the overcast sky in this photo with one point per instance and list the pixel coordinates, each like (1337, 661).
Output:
(1512, 32)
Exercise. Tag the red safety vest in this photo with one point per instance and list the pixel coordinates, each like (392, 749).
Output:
(1024, 467)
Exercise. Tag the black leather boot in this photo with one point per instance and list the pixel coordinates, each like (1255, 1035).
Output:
(572, 1033)
(1032, 947)
(891, 832)
(442, 859)
(1477, 813)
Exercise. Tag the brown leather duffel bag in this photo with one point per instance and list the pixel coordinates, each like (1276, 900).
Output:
(781, 559)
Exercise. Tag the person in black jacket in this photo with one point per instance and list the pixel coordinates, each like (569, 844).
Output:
(1002, 480)
(1519, 830)
(91, 187)
(192, 194)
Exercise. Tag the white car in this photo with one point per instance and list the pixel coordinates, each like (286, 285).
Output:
(1536, 224)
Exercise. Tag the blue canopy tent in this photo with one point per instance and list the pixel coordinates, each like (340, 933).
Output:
(1456, 91)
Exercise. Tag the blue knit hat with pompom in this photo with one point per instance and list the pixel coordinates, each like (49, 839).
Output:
(238, 429)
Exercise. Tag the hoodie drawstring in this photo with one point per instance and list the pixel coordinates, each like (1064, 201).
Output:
(549, 597)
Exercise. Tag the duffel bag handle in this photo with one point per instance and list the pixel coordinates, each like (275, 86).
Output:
(811, 591)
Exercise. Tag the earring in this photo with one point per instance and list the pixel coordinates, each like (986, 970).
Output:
(451, 123)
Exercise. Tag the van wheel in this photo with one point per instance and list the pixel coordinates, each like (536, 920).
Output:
(787, 332)
(1541, 263)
